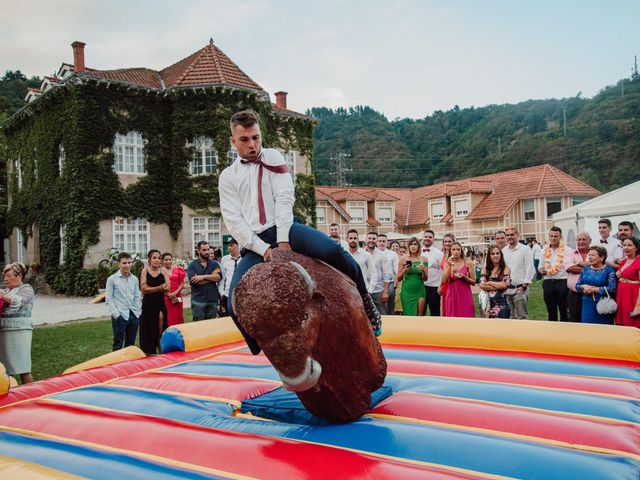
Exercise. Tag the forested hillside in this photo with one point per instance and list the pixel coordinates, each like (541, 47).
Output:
(601, 144)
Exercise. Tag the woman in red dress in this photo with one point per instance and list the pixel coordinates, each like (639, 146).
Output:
(447, 240)
(628, 274)
(173, 298)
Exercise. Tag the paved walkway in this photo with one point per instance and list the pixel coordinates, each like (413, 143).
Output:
(52, 309)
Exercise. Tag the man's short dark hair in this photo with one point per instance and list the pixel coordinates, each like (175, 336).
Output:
(123, 255)
(244, 118)
(556, 229)
(392, 242)
(200, 243)
(500, 232)
(625, 223)
(382, 235)
(431, 232)
(334, 225)
(606, 221)
(353, 230)
(372, 233)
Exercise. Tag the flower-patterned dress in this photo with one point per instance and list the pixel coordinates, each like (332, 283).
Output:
(498, 305)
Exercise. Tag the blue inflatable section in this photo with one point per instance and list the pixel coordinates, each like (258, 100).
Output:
(172, 341)
(88, 462)
(483, 452)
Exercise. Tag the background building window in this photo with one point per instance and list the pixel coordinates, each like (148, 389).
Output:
(131, 235)
(356, 214)
(205, 158)
(321, 215)
(232, 154)
(206, 229)
(384, 214)
(554, 205)
(461, 207)
(129, 153)
(529, 209)
(578, 200)
(437, 210)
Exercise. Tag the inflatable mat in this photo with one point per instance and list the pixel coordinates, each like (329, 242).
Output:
(463, 399)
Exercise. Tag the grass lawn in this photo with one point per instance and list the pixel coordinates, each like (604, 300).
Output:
(58, 347)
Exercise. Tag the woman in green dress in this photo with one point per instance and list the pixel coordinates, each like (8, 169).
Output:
(412, 272)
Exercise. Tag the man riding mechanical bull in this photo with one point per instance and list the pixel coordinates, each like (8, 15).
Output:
(304, 314)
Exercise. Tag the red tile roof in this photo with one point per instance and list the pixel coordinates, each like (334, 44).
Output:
(144, 77)
(503, 191)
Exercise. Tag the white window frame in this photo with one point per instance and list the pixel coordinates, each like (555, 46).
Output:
(290, 161)
(131, 235)
(385, 219)
(204, 160)
(435, 215)
(532, 210)
(207, 229)
(20, 250)
(321, 219)
(129, 154)
(351, 206)
(463, 212)
(232, 154)
(19, 172)
(550, 200)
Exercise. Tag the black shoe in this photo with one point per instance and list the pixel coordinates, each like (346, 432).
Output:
(372, 314)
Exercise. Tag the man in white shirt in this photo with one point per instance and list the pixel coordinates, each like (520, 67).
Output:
(334, 234)
(536, 249)
(394, 259)
(381, 274)
(256, 201)
(228, 264)
(519, 259)
(364, 259)
(501, 239)
(554, 284)
(612, 245)
(574, 263)
(434, 256)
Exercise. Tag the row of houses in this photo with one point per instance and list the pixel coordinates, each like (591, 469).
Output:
(472, 209)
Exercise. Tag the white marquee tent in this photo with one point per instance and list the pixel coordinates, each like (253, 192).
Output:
(617, 205)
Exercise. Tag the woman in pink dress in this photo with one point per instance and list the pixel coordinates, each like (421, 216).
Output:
(459, 275)
(628, 274)
(447, 240)
(173, 298)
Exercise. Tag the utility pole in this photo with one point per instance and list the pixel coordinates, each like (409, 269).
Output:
(341, 170)
(564, 117)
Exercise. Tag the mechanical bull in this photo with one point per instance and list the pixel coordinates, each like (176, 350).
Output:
(309, 320)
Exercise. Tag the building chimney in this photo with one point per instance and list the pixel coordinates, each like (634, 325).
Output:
(78, 56)
(281, 100)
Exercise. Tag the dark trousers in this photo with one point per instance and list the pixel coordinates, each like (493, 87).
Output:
(536, 264)
(306, 241)
(574, 301)
(433, 301)
(203, 311)
(555, 298)
(391, 303)
(124, 331)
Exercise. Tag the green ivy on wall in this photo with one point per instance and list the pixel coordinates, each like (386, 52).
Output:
(84, 118)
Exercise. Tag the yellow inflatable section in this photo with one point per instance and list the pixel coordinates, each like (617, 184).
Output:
(4, 380)
(122, 355)
(19, 469)
(560, 338)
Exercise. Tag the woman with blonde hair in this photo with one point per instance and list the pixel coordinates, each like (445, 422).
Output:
(447, 241)
(16, 325)
(412, 272)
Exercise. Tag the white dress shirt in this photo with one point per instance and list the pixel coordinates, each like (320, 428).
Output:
(537, 251)
(365, 260)
(228, 265)
(520, 262)
(561, 274)
(614, 249)
(238, 187)
(381, 272)
(434, 257)
(394, 259)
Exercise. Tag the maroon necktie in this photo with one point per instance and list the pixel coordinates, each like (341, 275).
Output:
(275, 169)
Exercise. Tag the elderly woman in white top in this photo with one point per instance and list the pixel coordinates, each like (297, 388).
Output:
(16, 327)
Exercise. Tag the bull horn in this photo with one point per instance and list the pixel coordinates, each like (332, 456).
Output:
(305, 380)
(306, 277)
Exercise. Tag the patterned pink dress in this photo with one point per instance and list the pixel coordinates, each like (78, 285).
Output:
(175, 310)
(458, 301)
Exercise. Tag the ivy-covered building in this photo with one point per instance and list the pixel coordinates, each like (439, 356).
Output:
(129, 158)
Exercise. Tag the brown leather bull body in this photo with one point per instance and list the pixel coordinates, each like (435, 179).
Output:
(308, 319)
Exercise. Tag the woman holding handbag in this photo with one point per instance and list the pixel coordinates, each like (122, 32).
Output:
(597, 283)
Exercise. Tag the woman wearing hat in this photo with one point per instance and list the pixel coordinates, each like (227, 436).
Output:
(16, 326)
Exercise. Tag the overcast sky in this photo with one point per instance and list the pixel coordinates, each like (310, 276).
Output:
(405, 58)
